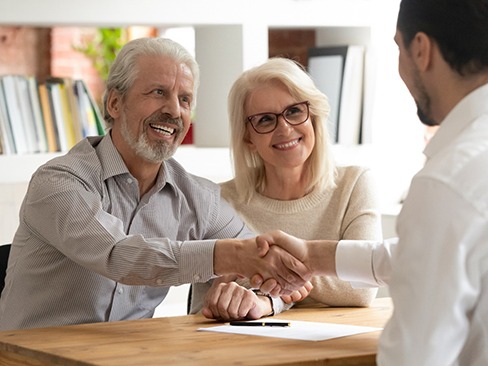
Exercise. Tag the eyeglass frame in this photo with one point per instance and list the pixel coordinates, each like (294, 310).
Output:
(306, 102)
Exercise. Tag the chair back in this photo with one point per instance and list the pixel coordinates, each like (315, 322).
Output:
(4, 253)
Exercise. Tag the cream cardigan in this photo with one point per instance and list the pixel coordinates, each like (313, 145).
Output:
(349, 211)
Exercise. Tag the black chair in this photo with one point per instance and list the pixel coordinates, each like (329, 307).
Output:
(4, 253)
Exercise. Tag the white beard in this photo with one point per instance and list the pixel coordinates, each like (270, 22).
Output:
(155, 153)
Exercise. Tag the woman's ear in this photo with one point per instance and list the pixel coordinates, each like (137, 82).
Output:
(114, 104)
(250, 145)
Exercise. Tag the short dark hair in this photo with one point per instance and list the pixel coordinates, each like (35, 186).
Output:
(460, 28)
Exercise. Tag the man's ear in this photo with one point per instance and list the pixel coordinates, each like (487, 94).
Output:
(421, 49)
(114, 104)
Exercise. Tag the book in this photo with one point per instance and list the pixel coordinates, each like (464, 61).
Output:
(95, 110)
(69, 115)
(49, 124)
(88, 122)
(14, 114)
(6, 137)
(54, 92)
(38, 119)
(27, 114)
(74, 108)
(339, 72)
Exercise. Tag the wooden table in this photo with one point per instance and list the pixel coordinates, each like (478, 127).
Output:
(176, 341)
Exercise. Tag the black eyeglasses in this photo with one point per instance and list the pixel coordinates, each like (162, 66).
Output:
(295, 114)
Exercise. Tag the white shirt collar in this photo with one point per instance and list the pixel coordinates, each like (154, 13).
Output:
(461, 116)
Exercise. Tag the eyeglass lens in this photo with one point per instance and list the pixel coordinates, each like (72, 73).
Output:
(267, 122)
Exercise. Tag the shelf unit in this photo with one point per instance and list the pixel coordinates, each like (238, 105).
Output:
(231, 36)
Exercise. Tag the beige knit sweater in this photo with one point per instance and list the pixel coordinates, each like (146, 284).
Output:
(349, 211)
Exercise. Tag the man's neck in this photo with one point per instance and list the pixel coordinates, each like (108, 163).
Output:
(146, 174)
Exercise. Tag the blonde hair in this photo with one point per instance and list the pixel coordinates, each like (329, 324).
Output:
(249, 170)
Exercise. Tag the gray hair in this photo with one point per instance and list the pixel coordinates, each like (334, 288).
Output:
(249, 166)
(123, 71)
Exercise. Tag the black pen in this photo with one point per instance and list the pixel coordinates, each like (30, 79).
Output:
(260, 324)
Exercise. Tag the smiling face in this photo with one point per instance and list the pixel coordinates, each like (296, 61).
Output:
(287, 147)
(154, 117)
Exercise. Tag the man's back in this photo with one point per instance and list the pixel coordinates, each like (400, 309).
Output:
(440, 276)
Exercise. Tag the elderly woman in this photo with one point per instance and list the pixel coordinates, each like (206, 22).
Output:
(286, 178)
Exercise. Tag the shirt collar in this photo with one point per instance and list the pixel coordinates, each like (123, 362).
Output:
(167, 174)
(461, 116)
(110, 159)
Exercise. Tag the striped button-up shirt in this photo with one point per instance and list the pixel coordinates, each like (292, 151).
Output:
(89, 249)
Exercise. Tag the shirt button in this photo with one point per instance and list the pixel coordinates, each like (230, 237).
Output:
(121, 291)
(197, 277)
(129, 180)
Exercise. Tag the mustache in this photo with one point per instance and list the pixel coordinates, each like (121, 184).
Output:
(162, 117)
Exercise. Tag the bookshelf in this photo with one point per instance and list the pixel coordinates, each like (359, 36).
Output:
(228, 41)
(231, 36)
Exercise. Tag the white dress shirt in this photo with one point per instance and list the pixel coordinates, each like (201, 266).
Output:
(439, 268)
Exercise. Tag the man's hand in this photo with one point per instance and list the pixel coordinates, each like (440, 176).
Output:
(242, 257)
(317, 255)
(230, 301)
(295, 246)
(266, 242)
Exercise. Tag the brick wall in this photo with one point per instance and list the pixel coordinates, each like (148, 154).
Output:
(45, 52)
(25, 50)
(291, 43)
(67, 62)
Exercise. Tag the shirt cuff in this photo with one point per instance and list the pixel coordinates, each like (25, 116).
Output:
(354, 263)
(196, 261)
(279, 305)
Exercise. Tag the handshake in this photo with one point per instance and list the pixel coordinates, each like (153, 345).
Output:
(275, 262)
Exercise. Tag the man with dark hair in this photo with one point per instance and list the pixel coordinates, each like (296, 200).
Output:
(438, 268)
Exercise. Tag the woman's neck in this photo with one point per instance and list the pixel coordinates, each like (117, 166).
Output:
(287, 184)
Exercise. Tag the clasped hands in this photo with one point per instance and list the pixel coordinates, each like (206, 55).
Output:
(276, 263)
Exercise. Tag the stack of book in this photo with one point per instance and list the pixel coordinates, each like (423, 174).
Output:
(45, 117)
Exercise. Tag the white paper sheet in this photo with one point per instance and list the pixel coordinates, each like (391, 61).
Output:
(301, 330)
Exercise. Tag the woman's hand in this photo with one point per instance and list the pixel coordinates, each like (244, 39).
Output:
(298, 295)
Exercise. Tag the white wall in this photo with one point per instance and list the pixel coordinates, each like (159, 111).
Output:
(245, 45)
